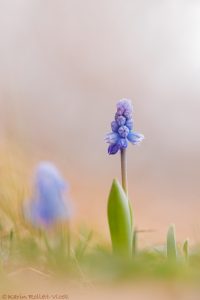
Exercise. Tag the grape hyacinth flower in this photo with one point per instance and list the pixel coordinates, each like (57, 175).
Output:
(122, 133)
(122, 128)
(48, 206)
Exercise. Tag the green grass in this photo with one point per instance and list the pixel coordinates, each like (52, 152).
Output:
(90, 257)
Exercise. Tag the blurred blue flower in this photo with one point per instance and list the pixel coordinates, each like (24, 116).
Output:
(122, 128)
(48, 204)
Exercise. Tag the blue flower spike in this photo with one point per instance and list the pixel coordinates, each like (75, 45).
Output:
(122, 128)
(122, 134)
(48, 205)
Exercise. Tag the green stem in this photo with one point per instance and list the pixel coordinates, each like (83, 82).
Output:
(68, 239)
(124, 171)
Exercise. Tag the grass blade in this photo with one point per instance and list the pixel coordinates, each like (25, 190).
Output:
(185, 249)
(171, 243)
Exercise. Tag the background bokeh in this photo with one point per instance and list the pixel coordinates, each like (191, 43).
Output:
(63, 66)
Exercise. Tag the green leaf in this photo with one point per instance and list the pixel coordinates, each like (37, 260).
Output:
(131, 213)
(171, 243)
(135, 241)
(185, 249)
(120, 220)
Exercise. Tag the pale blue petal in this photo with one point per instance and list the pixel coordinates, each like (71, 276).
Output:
(135, 138)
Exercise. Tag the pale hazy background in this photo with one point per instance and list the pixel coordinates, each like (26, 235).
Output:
(63, 66)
